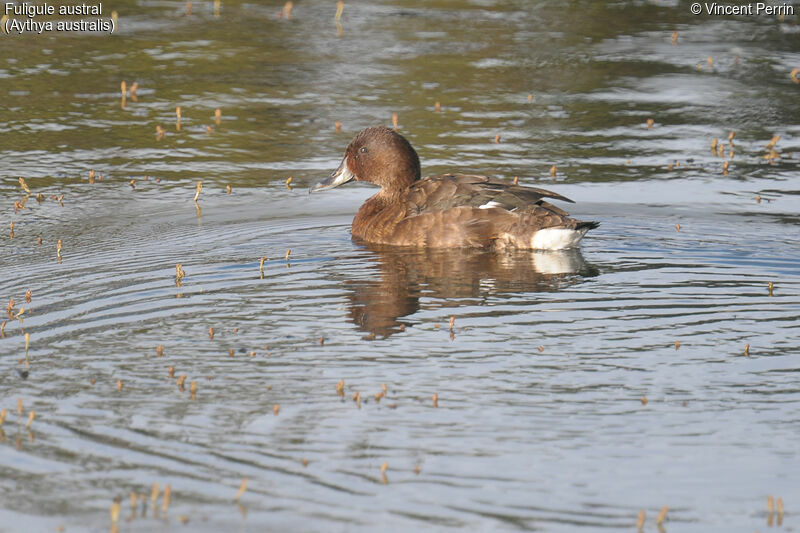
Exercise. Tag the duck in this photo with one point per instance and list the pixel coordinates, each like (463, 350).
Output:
(448, 210)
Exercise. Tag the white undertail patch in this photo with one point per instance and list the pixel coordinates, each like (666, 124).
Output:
(557, 238)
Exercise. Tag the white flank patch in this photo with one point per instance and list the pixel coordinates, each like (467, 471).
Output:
(490, 204)
(557, 238)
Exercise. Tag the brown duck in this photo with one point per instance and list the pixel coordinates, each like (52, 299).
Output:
(450, 210)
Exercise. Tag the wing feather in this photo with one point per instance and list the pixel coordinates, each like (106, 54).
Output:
(439, 193)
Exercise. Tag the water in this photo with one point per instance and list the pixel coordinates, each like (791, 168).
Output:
(541, 421)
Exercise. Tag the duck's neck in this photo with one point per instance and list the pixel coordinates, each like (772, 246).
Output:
(394, 192)
(381, 200)
(379, 214)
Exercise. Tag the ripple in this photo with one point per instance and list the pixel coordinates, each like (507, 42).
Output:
(573, 391)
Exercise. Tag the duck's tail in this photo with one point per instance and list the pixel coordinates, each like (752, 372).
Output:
(586, 226)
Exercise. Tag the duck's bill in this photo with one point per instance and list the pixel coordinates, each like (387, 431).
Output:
(338, 177)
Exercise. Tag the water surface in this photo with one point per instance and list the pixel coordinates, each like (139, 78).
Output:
(574, 389)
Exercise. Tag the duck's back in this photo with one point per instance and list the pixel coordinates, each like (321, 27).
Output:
(460, 210)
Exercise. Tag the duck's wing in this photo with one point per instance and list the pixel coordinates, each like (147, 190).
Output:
(447, 191)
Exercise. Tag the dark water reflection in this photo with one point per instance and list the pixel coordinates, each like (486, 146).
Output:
(540, 423)
(458, 277)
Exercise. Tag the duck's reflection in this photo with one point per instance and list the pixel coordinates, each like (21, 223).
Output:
(461, 277)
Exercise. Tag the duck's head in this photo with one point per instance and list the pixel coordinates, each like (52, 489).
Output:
(377, 155)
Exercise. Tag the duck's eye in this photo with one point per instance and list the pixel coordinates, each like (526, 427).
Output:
(363, 150)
